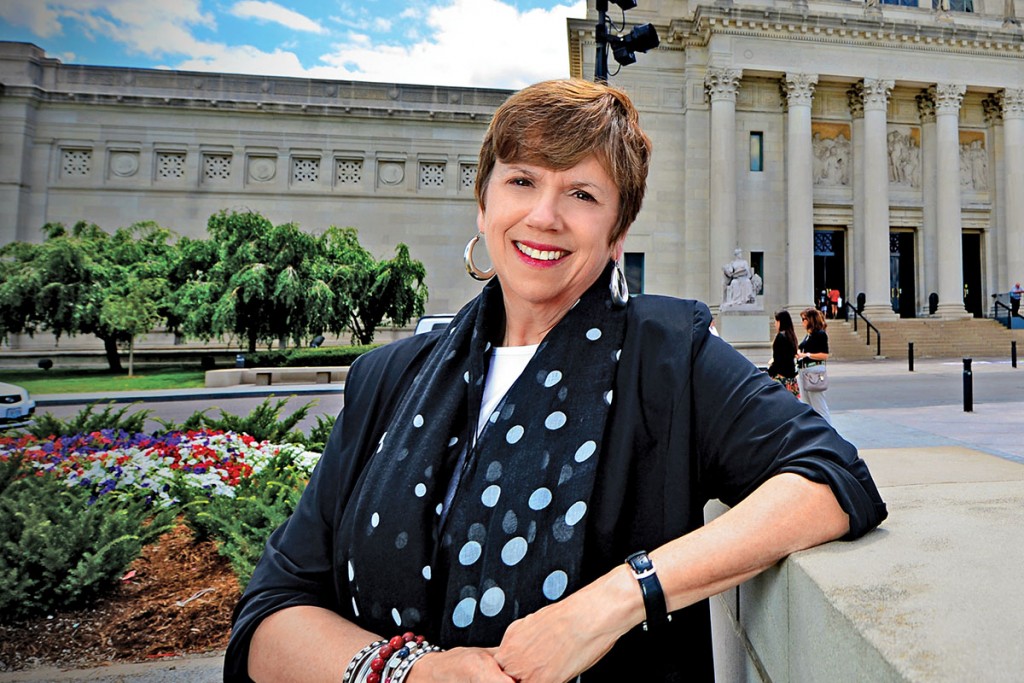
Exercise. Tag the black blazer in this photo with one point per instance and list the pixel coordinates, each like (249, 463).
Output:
(692, 420)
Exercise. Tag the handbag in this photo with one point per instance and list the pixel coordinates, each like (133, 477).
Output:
(815, 378)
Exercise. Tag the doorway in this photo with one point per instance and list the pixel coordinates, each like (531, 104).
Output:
(971, 242)
(830, 267)
(902, 269)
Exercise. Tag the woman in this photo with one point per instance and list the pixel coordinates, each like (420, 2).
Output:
(811, 357)
(484, 484)
(783, 365)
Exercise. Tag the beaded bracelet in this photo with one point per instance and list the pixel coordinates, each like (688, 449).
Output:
(358, 660)
(387, 661)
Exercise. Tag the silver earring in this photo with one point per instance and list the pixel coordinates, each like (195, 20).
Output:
(618, 287)
(471, 268)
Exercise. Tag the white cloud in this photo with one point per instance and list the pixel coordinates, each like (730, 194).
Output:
(36, 16)
(483, 43)
(271, 11)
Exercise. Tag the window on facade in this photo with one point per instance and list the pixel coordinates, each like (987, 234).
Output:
(953, 5)
(350, 172)
(756, 151)
(216, 167)
(431, 174)
(902, 3)
(170, 165)
(467, 176)
(75, 163)
(305, 170)
(633, 265)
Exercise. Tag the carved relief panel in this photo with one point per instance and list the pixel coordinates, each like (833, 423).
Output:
(973, 161)
(832, 145)
(904, 145)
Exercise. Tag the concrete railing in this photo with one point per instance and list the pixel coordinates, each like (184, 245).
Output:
(935, 594)
(268, 376)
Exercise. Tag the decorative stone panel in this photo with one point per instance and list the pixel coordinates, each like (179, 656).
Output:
(75, 163)
(262, 168)
(124, 163)
(305, 170)
(391, 173)
(467, 176)
(170, 165)
(348, 172)
(431, 175)
(216, 167)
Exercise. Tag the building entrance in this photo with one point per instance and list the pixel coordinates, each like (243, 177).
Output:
(902, 291)
(972, 273)
(830, 269)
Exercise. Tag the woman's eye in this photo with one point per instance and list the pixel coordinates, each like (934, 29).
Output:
(521, 182)
(585, 196)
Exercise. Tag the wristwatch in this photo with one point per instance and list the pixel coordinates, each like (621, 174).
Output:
(655, 606)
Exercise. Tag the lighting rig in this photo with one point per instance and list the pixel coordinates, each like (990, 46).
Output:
(640, 39)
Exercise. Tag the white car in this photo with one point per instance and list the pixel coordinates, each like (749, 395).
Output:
(433, 322)
(16, 406)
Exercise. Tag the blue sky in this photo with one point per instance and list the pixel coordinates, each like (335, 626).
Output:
(480, 43)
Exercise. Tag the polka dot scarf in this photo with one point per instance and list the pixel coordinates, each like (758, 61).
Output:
(456, 539)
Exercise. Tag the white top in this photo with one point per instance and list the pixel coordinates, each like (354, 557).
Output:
(506, 364)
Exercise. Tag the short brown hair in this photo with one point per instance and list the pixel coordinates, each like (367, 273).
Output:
(816, 318)
(557, 124)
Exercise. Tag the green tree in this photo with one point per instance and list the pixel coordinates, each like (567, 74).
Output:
(74, 282)
(262, 283)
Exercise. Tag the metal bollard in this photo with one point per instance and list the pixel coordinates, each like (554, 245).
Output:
(968, 387)
(1013, 353)
(910, 355)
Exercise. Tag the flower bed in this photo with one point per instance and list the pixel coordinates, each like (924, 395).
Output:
(208, 461)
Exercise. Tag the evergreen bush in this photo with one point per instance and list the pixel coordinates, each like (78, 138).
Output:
(241, 525)
(263, 423)
(86, 421)
(59, 550)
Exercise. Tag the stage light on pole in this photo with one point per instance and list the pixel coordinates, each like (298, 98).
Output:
(624, 48)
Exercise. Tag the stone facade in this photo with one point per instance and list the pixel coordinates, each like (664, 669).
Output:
(888, 141)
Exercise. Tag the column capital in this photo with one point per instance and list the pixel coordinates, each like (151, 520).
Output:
(992, 106)
(1013, 103)
(947, 97)
(722, 83)
(855, 98)
(799, 89)
(876, 93)
(926, 106)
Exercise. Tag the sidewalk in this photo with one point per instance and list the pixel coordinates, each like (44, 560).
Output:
(885, 419)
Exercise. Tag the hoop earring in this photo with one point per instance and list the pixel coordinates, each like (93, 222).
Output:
(618, 287)
(471, 268)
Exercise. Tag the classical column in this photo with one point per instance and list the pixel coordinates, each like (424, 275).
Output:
(878, 304)
(799, 89)
(929, 195)
(995, 245)
(721, 85)
(949, 231)
(855, 98)
(1013, 136)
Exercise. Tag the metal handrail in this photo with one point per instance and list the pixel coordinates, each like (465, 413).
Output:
(1009, 313)
(878, 335)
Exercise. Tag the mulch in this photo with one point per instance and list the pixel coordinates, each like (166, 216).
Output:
(175, 599)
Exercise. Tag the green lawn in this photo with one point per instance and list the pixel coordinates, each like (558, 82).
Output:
(78, 381)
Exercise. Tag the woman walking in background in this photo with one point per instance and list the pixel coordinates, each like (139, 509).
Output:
(783, 366)
(811, 357)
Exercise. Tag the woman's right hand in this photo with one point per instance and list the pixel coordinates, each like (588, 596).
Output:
(470, 664)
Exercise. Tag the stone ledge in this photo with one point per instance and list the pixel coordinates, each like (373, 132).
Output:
(933, 595)
(269, 376)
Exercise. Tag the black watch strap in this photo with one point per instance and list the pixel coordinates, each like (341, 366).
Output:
(655, 607)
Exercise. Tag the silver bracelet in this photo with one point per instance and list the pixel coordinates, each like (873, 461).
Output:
(360, 659)
(403, 669)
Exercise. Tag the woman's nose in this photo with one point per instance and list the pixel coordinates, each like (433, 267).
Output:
(544, 212)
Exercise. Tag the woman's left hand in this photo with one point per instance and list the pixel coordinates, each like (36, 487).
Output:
(560, 641)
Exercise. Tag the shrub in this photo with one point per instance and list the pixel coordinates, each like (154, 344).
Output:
(86, 421)
(263, 423)
(58, 550)
(262, 502)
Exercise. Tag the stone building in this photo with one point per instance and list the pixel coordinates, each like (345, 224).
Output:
(871, 148)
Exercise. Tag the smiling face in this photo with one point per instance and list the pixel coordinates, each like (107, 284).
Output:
(547, 233)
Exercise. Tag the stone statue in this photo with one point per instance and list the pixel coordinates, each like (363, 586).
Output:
(739, 288)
